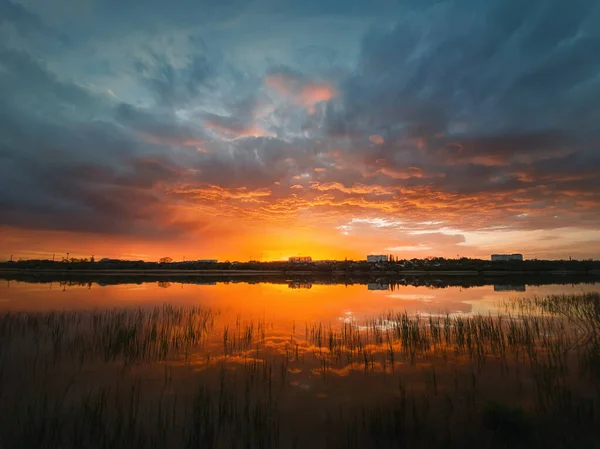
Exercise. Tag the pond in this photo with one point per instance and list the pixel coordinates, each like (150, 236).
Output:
(299, 363)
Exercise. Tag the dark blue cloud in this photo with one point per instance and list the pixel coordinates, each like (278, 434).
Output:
(494, 66)
(490, 85)
(171, 85)
(477, 97)
(27, 23)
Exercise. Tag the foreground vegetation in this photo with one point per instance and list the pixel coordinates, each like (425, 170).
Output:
(193, 377)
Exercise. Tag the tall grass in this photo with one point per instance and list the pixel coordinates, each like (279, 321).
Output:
(189, 377)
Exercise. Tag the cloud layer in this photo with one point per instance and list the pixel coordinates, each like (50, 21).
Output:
(266, 129)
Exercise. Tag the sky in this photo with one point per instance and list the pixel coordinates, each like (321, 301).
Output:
(263, 129)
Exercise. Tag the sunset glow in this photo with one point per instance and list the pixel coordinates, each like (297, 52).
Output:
(261, 140)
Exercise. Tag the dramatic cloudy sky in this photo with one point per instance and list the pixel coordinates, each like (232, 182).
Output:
(256, 129)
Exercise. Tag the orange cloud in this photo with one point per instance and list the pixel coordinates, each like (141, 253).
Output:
(305, 94)
(411, 172)
(235, 131)
(241, 222)
(357, 188)
(376, 139)
(214, 193)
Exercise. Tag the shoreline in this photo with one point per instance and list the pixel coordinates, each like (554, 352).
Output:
(201, 273)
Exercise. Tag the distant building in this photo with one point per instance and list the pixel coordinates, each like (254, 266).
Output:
(207, 261)
(109, 260)
(300, 259)
(498, 257)
(377, 258)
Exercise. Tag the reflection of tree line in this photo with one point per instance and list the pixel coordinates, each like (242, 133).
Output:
(517, 283)
(392, 286)
(300, 284)
(510, 288)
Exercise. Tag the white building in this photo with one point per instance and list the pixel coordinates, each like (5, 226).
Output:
(377, 258)
(498, 257)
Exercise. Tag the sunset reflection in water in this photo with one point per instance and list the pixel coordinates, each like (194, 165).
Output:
(285, 301)
(292, 356)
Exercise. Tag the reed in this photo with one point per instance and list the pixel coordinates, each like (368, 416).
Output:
(178, 377)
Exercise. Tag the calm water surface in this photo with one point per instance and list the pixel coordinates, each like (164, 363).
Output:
(298, 364)
(288, 302)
